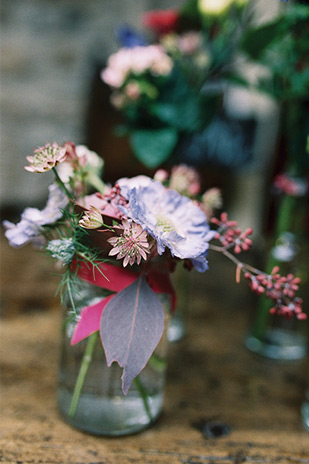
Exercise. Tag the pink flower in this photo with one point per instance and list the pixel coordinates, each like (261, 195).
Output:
(185, 180)
(211, 200)
(190, 42)
(46, 158)
(161, 175)
(295, 187)
(131, 245)
(107, 203)
(132, 90)
(136, 60)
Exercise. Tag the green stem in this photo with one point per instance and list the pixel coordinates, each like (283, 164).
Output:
(144, 396)
(96, 183)
(284, 223)
(87, 358)
(62, 185)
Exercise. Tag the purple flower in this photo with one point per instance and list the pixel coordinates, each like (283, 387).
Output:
(173, 220)
(29, 229)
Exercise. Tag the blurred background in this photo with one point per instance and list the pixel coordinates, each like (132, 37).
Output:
(51, 56)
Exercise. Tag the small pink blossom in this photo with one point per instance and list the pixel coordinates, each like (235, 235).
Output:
(132, 90)
(161, 175)
(132, 245)
(190, 42)
(185, 180)
(211, 200)
(46, 158)
(295, 187)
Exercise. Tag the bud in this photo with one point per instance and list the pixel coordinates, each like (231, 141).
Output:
(92, 219)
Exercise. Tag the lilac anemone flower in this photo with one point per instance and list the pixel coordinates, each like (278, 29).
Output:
(29, 229)
(173, 220)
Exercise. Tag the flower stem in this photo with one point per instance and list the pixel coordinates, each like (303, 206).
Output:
(144, 396)
(87, 358)
(62, 185)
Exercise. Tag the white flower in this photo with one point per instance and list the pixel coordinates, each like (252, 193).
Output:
(29, 229)
(214, 7)
(62, 250)
(87, 159)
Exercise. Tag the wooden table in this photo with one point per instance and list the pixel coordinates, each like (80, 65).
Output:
(212, 377)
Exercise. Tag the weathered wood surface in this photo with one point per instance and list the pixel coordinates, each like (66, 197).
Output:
(211, 377)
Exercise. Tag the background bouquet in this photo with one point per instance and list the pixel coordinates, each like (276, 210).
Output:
(171, 84)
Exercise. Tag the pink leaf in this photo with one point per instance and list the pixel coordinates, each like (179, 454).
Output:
(89, 320)
(131, 327)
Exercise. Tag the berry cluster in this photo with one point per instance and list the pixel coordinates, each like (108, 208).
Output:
(230, 235)
(280, 289)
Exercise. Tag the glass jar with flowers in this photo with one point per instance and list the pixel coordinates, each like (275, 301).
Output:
(117, 248)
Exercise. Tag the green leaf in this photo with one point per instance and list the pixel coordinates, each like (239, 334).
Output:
(153, 146)
(184, 115)
(255, 41)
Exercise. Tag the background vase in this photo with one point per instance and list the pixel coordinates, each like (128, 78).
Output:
(271, 335)
(305, 410)
(100, 407)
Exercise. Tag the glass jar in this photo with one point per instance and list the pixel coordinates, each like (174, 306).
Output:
(90, 395)
(178, 324)
(305, 408)
(274, 336)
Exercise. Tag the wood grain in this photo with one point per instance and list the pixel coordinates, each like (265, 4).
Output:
(212, 377)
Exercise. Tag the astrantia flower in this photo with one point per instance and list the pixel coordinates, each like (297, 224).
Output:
(46, 158)
(92, 219)
(62, 250)
(173, 220)
(29, 229)
(132, 245)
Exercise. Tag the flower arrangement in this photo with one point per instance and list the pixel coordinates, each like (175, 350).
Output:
(171, 85)
(127, 239)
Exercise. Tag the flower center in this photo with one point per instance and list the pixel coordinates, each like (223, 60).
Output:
(165, 224)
